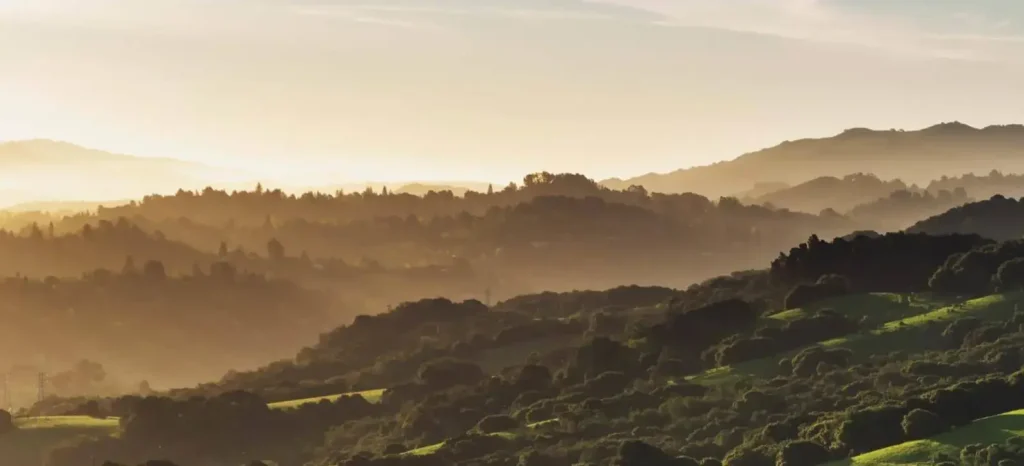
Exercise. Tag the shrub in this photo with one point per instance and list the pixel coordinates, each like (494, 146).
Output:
(444, 373)
(607, 384)
(743, 456)
(872, 428)
(1010, 275)
(828, 286)
(802, 453)
(637, 453)
(497, 423)
(805, 364)
(745, 349)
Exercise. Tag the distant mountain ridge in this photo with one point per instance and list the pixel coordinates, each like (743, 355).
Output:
(45, 170)
(34, 151)
(43, 174)
(57, 207)
(913, 156)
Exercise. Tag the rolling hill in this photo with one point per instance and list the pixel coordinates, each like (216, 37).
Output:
(45, 170)
(829, 192)
(913, 156)
(998, 218)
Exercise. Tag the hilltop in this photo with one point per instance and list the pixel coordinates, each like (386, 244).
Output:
(45, 170)
(997, 218)
(913, 156)
(829, 192)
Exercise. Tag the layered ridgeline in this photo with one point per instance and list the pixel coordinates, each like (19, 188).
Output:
(877, 204)
(882, 340)
(149, 308)
(828, 192)
(552, 232)
(913, 156)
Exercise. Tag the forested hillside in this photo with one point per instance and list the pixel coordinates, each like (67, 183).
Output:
(511, 233)
(378, 328)
(998, 218)
(555, 232)
(890, 347)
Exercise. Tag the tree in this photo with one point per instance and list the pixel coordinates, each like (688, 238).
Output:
(497, 423)
(129, 266)
(223, 271)
(443, 373)
(637, 453)
(6, 422)
(154, 270)
(1010, 275)
(802, 453)
(921, 423)
(744, 456)
(275, 250)
(91, 408)
(533, 377)
(222, 252)
(827, 286)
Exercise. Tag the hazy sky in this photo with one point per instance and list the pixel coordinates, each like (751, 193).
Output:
(340, 90)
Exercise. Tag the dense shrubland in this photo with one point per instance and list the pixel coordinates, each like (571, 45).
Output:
(613, 387)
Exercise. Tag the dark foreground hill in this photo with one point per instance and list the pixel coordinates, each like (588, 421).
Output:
(883, 345)
(913, 156)
(999, 218)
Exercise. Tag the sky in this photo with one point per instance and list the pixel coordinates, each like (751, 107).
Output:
(327, 91)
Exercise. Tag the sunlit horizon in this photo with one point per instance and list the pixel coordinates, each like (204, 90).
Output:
(319, 93)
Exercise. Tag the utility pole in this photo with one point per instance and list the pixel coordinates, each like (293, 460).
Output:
(42, 386)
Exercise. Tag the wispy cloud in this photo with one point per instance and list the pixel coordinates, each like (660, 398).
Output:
(366, 17)
(971, 30)
(430, 15)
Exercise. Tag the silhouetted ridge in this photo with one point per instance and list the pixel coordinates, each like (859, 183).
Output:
(912, 156)
(953, 128)
(1000, 218)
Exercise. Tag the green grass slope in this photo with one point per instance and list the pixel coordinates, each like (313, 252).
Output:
(373, 396)
(995, 429)
(908, 333)
(431, 449)
(36, 437)
(874, 308)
